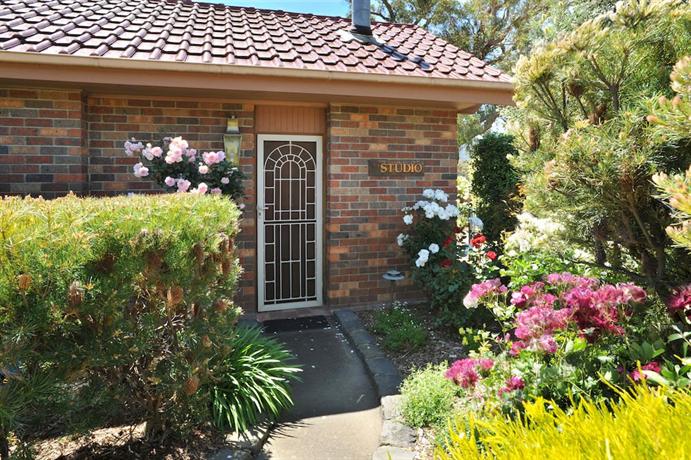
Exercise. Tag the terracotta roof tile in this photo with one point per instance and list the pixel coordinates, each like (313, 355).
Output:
(185, 31)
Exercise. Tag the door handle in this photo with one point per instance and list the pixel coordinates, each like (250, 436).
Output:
(262, 208)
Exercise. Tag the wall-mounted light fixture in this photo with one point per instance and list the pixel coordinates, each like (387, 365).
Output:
(231, 141)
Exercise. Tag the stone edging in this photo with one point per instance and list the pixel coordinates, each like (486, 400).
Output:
(397, 440)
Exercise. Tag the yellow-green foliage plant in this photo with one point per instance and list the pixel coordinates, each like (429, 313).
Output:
(114, 308)
(646, 423)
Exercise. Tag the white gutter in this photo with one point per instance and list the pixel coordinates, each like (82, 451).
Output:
(234, 69)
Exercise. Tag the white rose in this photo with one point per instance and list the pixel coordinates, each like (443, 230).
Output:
(428, 193)
(400, 239)
(434, 248)
(423, 257)
(441, 196)
(408, 219)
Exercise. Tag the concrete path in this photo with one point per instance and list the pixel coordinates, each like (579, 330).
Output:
(336, 414)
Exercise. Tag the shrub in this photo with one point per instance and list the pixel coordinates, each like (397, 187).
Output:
(400, 329)
(114, 307)
(494, 183)
(428, 397)
(442, 265)
(645, 423)
(588, 153)
(251, 381)
(175, 166)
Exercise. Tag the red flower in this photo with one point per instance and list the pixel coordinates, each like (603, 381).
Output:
(491, 255)
(478, 240)
(446, 263)
(457, 229)
(447, 242)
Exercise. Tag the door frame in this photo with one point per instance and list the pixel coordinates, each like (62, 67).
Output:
(319, 230)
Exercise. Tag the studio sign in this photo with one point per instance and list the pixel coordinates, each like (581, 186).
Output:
(395, 168)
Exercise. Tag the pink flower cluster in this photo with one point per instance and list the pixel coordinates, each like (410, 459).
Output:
(179, 148)
(597, 310)
(638, 375)
(466, 372)
(211, 158)
(482, 290)
(513, 383)
(536, 326)
(680, 301)
(532, 294)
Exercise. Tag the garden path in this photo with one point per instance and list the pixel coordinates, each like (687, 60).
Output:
(336, 414)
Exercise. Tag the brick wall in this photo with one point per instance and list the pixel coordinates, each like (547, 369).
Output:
(55, 140)
(42, 142)
(363, 212)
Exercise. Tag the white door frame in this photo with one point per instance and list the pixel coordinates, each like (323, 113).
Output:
(319, 230)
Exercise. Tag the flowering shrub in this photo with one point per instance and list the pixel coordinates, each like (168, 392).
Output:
(562, 335)
(536, 246)
(178, 168)
(441, 264)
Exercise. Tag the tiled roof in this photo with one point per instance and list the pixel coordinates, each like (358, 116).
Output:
(203, 33)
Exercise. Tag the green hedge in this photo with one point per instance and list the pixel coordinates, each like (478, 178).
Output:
(494, 183)
(114, 307)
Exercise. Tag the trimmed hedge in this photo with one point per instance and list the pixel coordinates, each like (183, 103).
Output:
(114, 307)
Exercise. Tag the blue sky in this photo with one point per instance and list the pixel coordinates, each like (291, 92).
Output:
(326, 7)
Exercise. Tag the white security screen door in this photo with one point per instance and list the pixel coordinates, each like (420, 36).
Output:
(289, 221)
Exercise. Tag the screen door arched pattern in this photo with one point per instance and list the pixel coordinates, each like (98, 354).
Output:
(289, 219)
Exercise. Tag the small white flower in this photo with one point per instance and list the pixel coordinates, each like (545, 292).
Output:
(225, 180)
(203, 169)
(408, 219)
(428, 193)
(434, 248)
(440, 195)
(400, 239)
(452, 210)
(422, 258)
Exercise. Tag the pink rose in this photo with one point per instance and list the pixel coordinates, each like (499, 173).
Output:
(183, 185)
(169, 181)
(203, 169)
(157, 152)
(225, 180)
(216, 191)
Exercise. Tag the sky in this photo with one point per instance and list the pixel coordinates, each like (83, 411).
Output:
(325, 7)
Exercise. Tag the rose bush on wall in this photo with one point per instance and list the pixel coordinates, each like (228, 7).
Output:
(178, 168)
(441, 263)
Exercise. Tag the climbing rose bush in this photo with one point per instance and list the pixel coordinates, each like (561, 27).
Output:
(177, 167)
(440, 262)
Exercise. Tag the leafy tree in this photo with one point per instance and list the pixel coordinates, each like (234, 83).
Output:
(587, 153)
(494, 183)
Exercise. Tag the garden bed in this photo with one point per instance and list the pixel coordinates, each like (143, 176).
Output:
(442, 344)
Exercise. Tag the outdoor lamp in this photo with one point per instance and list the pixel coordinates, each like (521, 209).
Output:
(231, 141)
(393, 276)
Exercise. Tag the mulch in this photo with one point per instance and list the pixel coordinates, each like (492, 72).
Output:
(443, 344)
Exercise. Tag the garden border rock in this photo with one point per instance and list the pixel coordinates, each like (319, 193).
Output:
(397, 440)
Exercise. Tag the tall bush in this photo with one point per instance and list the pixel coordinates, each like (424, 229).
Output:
(494, 183)
(587, 153)
(114, 307)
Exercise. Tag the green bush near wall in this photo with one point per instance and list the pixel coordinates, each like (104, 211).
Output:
(114, 308)
(494, 183)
